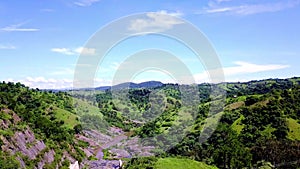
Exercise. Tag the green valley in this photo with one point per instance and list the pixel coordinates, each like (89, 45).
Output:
(257, 127)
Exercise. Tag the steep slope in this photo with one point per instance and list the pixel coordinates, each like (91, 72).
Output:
(36, 128)
(44, 129)
(19, 141)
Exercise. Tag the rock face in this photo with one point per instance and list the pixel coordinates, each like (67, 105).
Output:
(118, 145)
(74, 166)
(104, 164)
(48, 158)
(24, 142)
(120, 153)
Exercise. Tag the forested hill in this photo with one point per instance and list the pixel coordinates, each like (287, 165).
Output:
(32, 132)
(259, 127)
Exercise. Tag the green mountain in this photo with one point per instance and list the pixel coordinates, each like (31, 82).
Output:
(257, 126)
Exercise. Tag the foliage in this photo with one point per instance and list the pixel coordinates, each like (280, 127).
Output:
(8, 162)
(141, 163)
(49, 115)
(259, 126)
(179, 163)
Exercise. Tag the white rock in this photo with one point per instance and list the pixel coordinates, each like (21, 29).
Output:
(74, 166)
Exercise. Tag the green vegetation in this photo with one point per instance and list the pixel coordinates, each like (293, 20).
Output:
(294, 128)
(257, 114)
(258, 127)
(142, 162)
(83, 107)
(257, 121)
(165, 163)
(237, 125)
(8, 162)
(69, 119)
(177, 163)
(49, 115)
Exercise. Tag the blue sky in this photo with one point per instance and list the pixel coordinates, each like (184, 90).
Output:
(41, 41)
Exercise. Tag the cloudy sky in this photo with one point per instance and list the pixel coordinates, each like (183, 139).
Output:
(41, 41)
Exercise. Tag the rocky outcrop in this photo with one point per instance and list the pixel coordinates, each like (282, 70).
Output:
(118, 145)
(48, 158)
(67, 156)
(23, 142)
(26, 143)
(5, 123)
(104, 164)
(74, 166)
(20, 140)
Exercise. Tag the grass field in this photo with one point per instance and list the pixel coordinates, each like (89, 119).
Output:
(294, 127)
(237, 125)
(84, 107)
(68, 117)
(175, 163)
(235, 105)
(268, 131)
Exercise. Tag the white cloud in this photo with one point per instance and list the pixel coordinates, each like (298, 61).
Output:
(156, 22)
(230, 73)
(50, 83)
(7, 46)
(164, 12)
(17, 28)
(219, 10)
(65, 51)
(240, 68)
(85, 3)
(249, 9)
(85, 51)
(44, 83)
(79, 50)
(244, 67)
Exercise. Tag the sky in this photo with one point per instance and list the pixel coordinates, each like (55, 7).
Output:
(41, 42)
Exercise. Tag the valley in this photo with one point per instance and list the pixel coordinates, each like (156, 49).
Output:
(152, 125)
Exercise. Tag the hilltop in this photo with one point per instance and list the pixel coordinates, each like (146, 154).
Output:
(259, 126)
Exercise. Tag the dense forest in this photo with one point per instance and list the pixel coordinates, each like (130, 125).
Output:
(259, 124)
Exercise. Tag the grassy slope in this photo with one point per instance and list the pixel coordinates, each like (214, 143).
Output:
(235, 105)
(81, 108)
(294, 127)
(66, 116)
(84, 107)
(175, 163)
(237, 125)
(268, 131)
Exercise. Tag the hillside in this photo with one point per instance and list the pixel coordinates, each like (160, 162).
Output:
(259, 126)
(37, 128)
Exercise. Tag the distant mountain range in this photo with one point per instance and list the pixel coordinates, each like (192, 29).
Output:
(131, 85)
(153, 84)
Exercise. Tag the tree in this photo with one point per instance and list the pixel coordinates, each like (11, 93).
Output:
(78, 128)
(228, 151)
